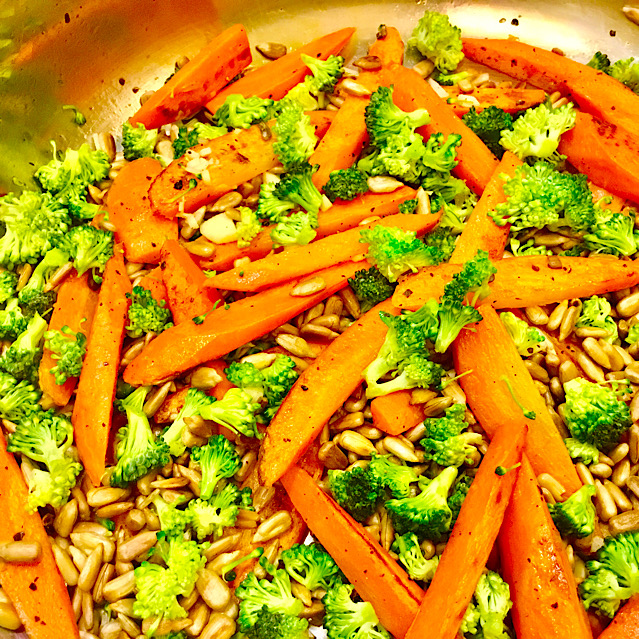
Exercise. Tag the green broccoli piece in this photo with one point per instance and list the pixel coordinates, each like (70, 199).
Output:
(594, 413)
(298, 228)
(68, 349)
(407, 207)
(527, 339)
(33, 298)
(411, 556)
(276, 595)
(325, 73)
(279, 378)
(22, 358)
(575, 516)
(146, 315)
(12, 320)
(18, 399)
(271, 207)
(627, 72)
(193, 402)
(489, 607)
(46, 438)
(438, 40)
(456, 499)
(195, 133)
(157, 593)
(248, 377)
(218, 459)
(33, 222)
(396, 477)
(184, 560)
(212, 517)
(345, 184)
(137, 141)
(173, 521)
(614, 575)
(236, 411)
(295, 135)
(239, 112)
(595, 313)
(311, 566)
(297, 187)
(631, 338)
(488, 124)
(450, 79)
(612, 233)
(370, 287)
(582, 451)
(347, 619)
(8, 282)
(451, 425)
(442, 239)
(248, 227)
(427, 515)
(277, 625)
(358, 490)
(536, 133)
(600, 61)
(89, 247)
(136, 450)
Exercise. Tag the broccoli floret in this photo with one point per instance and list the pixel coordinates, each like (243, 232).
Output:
(270, 207)
(414, 371)
(527, 339)
(46, 438)
(488, 124)
(236, 411)
(345, 184)
(311, 565)
(600, 61)
(137, 141)
(451, 425)
(488, 609)
(297, 187)
(358, 490)
(575, 516)
(627, 72)
(396, 477)
(12, 320)
(195, 133)
(594, 413)
(443, 240)
(277, 625)
(239, 112)
(193, 402)
(407, 207)
(8, 282)
(438, 40)
(212, 517)
(89, 247)
(18, 399)
(453, 451)
(33, 222)
(595, 313)
(146, 315)
(347, 619)
(582, 451)
(297, 228)
(456, 499)
(370, 287)
(427, 515)
(33, 298)
(276, 595)
(612, 233)
(614, 576)
(248, 227)
(631, 338)
(22, 358)
(136, 450)
(68, 349)
(218, 459)
(394, 251)
(157, 593)
(184, 560)
(411, 556)
(450, 79)
(536, 133)
(295, 135)
(173, 521)
(248, 377)
(325, 73)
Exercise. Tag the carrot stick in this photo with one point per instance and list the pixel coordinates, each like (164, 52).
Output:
(297, 261)
(394, 414)
(37, 591)
(154, 283)
(535, 565)
(388, 47)
(74, 307)
(138, 228)
(472, 539)
(604, 152)
(189, 344)
(275, 79)
(184, 281)
(96, 390)
(476, 162)
(197, 81)
(235, 158)
(510, 100)
(376, 576)
(594, 91)
(625, 625)
(527, 281)
(340, 217)
(484, 357)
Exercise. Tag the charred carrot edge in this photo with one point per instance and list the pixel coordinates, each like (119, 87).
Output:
(394, 414)
(510, 100)
(625, 625)
(197, 81)
(37, 591)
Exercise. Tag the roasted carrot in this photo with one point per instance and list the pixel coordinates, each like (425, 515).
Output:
(234, 158)
(476, 162)
(394, 414)
(321, 389)
(607, 154)
(510, 100)
(37, 591)
(154, 283)
(93, 408)
(184, 281)
(625, 625)
(388, 47)
(497, 385)
(198, 81)
(298, 261)
(594, 91)
(472, 539)
(536, 567)
(138, 228)
(74, 307)
(527, 281)
(275, 79)
(189, 344)
(340, 217)
(376, 576)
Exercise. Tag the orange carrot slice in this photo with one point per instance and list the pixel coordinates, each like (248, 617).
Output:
(394, 414)
(154, 283)
(510, 100)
